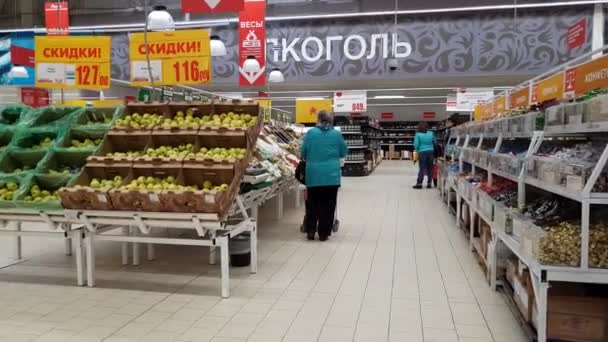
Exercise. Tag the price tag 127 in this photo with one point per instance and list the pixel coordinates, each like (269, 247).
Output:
(92, 75)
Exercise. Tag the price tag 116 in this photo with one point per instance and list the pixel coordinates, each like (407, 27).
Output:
(187, 70)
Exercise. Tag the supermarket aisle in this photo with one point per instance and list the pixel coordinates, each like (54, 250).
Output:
(397, 271)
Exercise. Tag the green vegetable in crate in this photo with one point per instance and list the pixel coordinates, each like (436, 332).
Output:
(181, 120)
(220, 154)
(86, 143)
(155, 183)
(44, 143)
(37, 195)
(128, 154)
(21, 169)
(7, 190)
(169, 151)
(106, 184)
(229, 120)
(94, 117)
(137, 121)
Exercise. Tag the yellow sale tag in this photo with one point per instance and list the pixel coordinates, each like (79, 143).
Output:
(73, 62)
(176, 57)
(307, 110)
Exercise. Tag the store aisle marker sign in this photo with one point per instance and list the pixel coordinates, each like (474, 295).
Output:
(551, 88)
(350, 101)
(176, 57)
(307, 110)
(72, 62)
(211, 6)
(252, 41)
(519, 98)
(586, 77)
(56, 18)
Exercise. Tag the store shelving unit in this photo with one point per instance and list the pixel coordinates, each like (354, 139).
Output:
(465, 147)
(361, 135)
(397, 138)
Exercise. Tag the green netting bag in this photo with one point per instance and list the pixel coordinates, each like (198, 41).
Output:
(51, 116)
(12, 115)
(6, 137)
(98, 117)
(83, 138)
(40, 192)
(10, 188)
(42, 138)
(63, 162)
(16, 161)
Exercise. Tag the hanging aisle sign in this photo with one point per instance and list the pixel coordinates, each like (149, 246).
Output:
(520, 98)
(252, 41)
(350, 101)
(176, 57)
(586, 77)
(72, 62)
(551, 88)
(307, 110)
(211, 6)
(56, 18)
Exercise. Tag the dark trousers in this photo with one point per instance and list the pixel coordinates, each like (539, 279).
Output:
(320, 209)
(425, 162)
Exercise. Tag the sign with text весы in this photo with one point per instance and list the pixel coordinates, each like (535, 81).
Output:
(176, 57)
(72, 62)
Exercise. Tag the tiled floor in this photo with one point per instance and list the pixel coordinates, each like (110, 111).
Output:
(398, 270)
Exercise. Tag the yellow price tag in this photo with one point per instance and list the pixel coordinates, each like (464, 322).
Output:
(178, 57)
(73, 62)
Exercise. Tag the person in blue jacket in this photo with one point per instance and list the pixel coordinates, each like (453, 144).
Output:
(424, 144)
(323, 148)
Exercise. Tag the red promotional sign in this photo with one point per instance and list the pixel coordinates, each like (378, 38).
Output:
(570, 82)
(22, 56)
(35, 97)
(577, 34)
(387, 115)
(252, 42)
(428, 115)
(211, 6)
(56, 18)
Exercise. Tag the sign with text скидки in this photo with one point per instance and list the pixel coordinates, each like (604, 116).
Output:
(72, 62)
(176, 57)
(468, 98)
(350, 101)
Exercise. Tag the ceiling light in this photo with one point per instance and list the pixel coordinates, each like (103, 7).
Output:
(388, 97)
(251, 64)
(218, 48)
(276, 76)
(160, 20)
(18, 71)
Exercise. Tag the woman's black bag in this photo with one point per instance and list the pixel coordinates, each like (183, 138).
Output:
(301, 172)
(438, 150)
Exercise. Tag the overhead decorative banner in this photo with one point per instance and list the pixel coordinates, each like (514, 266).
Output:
(76, 62)
(252, 42)
(586, 77)
(551, 88)
(350, 101)
(520, 98)
(176, 57)
(307, 110)
(56, 18)
(211, 6)
(468, 98)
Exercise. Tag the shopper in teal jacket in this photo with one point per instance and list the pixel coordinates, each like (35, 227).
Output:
(322, 150)
(424, 144)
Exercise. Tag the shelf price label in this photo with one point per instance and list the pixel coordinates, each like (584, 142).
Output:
(73, 62)
(177, 57)
(551, 88)
(350, 101)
